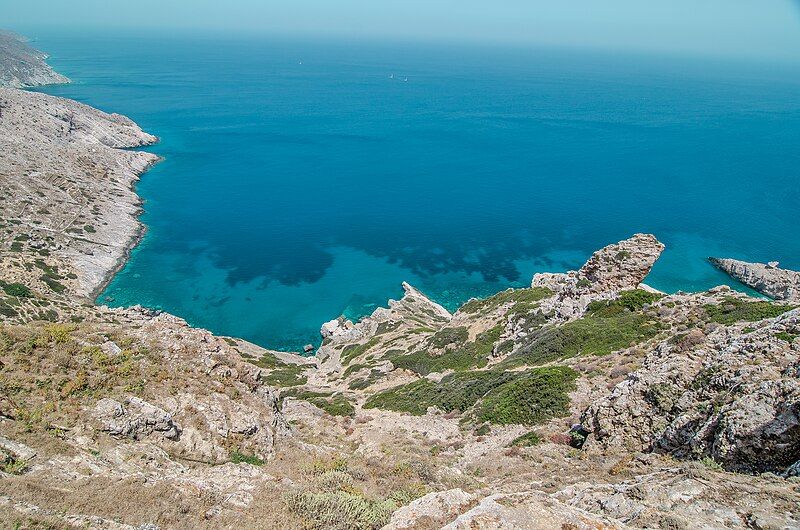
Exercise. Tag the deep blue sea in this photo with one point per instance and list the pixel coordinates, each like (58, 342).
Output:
(302, 180)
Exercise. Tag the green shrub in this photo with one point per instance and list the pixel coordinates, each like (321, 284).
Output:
(788, 337)
(526, 296)
(240, 458)
(291, 375)
(531, 399)
(335, 405)
(526, 440)
(605, 329)
(464, 357)
(447, 336)
(526, 397)
(355, 350)
(733, 310)
(16, 289)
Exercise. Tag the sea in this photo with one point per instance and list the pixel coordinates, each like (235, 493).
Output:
(304, 179)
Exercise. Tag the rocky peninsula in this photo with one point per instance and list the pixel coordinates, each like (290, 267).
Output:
(22, 66)
(586, 401)
(768, 279)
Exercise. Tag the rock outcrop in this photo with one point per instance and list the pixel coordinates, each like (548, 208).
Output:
(22, 66)
(726, 393)
(614, 268)
(66, 189)
(769, 279)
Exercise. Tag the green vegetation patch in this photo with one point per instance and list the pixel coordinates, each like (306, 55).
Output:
(15, 289)
(632, 300)
(788, 337)
(606, 328)
(733, 310)
(465, 356)
(528, 297)
(340, 510)
(447, 336)
(528, 397)
(532, 399)
(333, 404)
(528, 439)
(291, 375)
(366, 382)
(240, 458)
(354, 350)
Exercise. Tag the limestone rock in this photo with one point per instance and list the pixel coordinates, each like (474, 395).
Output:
(434, 508)
(733, 396)
(780, 284)
(17, 450)
(136, 419)
(22, 66)
(614, 268)
(529, 511)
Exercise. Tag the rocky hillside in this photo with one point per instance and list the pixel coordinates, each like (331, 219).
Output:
(22, 66)
(585, 401)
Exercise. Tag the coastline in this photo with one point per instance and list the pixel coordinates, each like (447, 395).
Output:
(133, 241)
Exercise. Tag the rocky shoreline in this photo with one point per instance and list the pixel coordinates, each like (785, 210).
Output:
(587, 401)
(23, 66)
(768, 279)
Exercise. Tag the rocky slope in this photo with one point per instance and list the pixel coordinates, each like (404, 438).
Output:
(769, 279)
(585, 401)
(22, 66)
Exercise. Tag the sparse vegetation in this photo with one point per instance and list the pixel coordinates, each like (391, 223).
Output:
(355, 350)
(526, 296)
(527, 397)
(240, 458)
(733, 310)
(333, 404)
(607, 327)
(463, 357)
(526, 440)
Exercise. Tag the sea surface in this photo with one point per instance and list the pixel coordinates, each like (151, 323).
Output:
(303, 180)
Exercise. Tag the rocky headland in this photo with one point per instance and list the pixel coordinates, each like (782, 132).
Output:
(768, 279)
(22, 66)
(586, 401)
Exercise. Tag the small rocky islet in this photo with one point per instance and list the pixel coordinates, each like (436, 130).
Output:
(587, 400)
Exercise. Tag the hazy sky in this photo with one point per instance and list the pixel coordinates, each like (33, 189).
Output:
(752, 28)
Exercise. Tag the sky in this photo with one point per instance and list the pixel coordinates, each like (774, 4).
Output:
(739, 28)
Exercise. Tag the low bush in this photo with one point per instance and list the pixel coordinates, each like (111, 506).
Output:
(526, 440)
(733, 310)
(16, 289)
(469, 355)
(528, 296)
(531, 399)
(333, 404)
(527, 397)
(606, 328)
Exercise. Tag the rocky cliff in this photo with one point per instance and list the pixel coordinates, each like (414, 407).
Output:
(22, 66)
(585, 401)
(768, 279)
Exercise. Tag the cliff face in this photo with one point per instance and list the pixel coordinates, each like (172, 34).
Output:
(22, 66)
(585, 401)
(68, 187)
(769, 279)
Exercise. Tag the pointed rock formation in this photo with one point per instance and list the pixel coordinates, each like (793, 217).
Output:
(608, 271)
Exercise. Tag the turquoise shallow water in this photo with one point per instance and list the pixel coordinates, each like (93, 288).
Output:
(303, 180)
